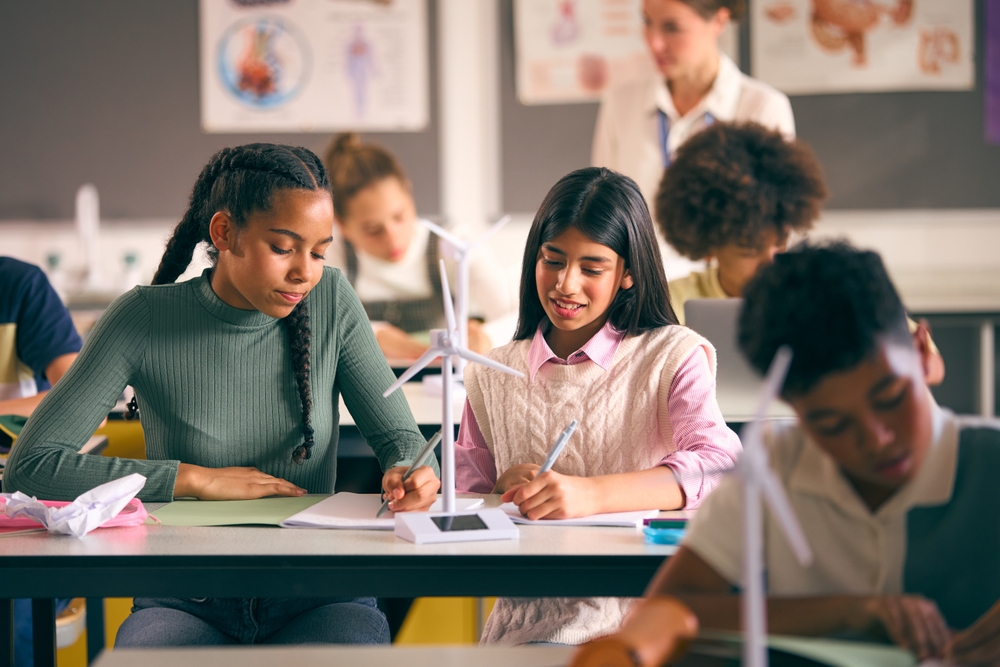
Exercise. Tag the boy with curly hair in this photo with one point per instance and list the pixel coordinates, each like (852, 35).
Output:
(733, 195)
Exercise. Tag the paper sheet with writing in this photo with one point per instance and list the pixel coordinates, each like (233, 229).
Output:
(620, 519)
(356, 511)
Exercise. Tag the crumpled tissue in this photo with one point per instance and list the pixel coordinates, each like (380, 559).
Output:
(89, 511)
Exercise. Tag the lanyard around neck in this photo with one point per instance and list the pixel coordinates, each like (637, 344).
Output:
(663, 127)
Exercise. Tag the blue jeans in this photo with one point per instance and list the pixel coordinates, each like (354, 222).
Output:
(159, 622)
(24, 649)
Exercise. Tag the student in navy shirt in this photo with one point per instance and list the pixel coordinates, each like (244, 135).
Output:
(37, 339)
(38, 342)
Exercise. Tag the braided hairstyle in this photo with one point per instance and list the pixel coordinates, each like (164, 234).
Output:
(242, 181)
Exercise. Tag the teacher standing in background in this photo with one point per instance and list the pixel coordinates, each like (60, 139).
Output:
(643, 121)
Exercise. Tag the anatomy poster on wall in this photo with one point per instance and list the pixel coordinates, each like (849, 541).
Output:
(313, 65)
(570, 50)
(837, 46)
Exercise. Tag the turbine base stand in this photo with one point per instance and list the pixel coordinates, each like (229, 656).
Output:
(437, 527)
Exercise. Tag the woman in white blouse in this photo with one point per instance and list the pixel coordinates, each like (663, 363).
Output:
(643, 121)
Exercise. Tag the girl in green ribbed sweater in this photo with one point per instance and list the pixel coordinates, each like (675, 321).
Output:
(237, 374)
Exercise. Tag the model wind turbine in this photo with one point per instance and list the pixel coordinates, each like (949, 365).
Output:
(463, 253)
(759, 479)
(448, 526)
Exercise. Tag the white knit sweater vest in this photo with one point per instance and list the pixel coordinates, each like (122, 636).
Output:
(624, 427)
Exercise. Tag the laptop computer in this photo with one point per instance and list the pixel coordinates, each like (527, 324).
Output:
(738, 386)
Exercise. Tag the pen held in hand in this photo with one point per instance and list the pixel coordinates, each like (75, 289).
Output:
(557, 448)
(428, 450)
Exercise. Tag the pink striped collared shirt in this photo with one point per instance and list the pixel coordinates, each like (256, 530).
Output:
(702, 439)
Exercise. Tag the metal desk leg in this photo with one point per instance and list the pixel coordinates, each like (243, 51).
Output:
(6, 632)
(43, 627)
(95, 628)
(987, 368)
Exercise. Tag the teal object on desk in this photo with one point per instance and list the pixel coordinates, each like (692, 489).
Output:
(663, 535)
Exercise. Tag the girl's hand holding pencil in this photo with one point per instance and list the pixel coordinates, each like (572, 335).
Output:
(551, 495)
(415, 494)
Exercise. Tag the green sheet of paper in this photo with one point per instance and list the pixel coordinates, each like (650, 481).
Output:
(832, 652)
(843, 653)
(260, 512)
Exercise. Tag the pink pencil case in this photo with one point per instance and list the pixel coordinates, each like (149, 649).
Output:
(133, 514)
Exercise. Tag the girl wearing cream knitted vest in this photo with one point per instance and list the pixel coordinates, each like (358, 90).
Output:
(623, 427)
(597, 341)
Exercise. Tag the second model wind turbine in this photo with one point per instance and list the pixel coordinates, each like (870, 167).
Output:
(758, 479)
(463, 253)
(448, 526)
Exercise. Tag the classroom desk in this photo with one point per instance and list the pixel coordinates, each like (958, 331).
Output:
(426, 409)
(327, 656)
(700, 654)
(272, 562)
(969, 299)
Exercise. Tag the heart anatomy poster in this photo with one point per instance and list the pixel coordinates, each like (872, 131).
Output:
(571, 50)
(839, 46)
(313, 65)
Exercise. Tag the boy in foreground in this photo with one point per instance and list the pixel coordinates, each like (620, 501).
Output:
(896, 495)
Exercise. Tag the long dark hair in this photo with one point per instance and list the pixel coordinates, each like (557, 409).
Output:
(607, 208)
(242, 181)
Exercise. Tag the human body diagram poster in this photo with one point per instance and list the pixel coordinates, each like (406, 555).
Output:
(839, 46)
(313, 65)
(570, 50)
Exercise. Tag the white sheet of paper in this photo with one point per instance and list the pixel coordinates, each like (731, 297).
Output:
(356, 511)
(620, 519)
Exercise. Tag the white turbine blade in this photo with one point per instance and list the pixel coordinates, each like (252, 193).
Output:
(458, 243)
(418, 365)
(449, 307)
(486, 361)
(777, 501)
(490, 232)
(773, 381)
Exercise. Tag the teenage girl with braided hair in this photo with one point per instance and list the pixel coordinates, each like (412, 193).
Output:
(237, 374)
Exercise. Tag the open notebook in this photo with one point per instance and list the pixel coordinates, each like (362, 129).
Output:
(357, 511)
(342, 510)
(622, 519)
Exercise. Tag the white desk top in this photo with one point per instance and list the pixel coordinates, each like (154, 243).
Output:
(152, 540)
(156, 561)
(355, 656)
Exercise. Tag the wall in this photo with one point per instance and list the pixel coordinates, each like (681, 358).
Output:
(106, 91)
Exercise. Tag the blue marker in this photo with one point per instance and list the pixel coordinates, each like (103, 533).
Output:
(557, 448)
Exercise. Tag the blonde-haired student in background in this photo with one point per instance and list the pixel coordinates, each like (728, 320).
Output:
(598, 342)
(391, 260)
